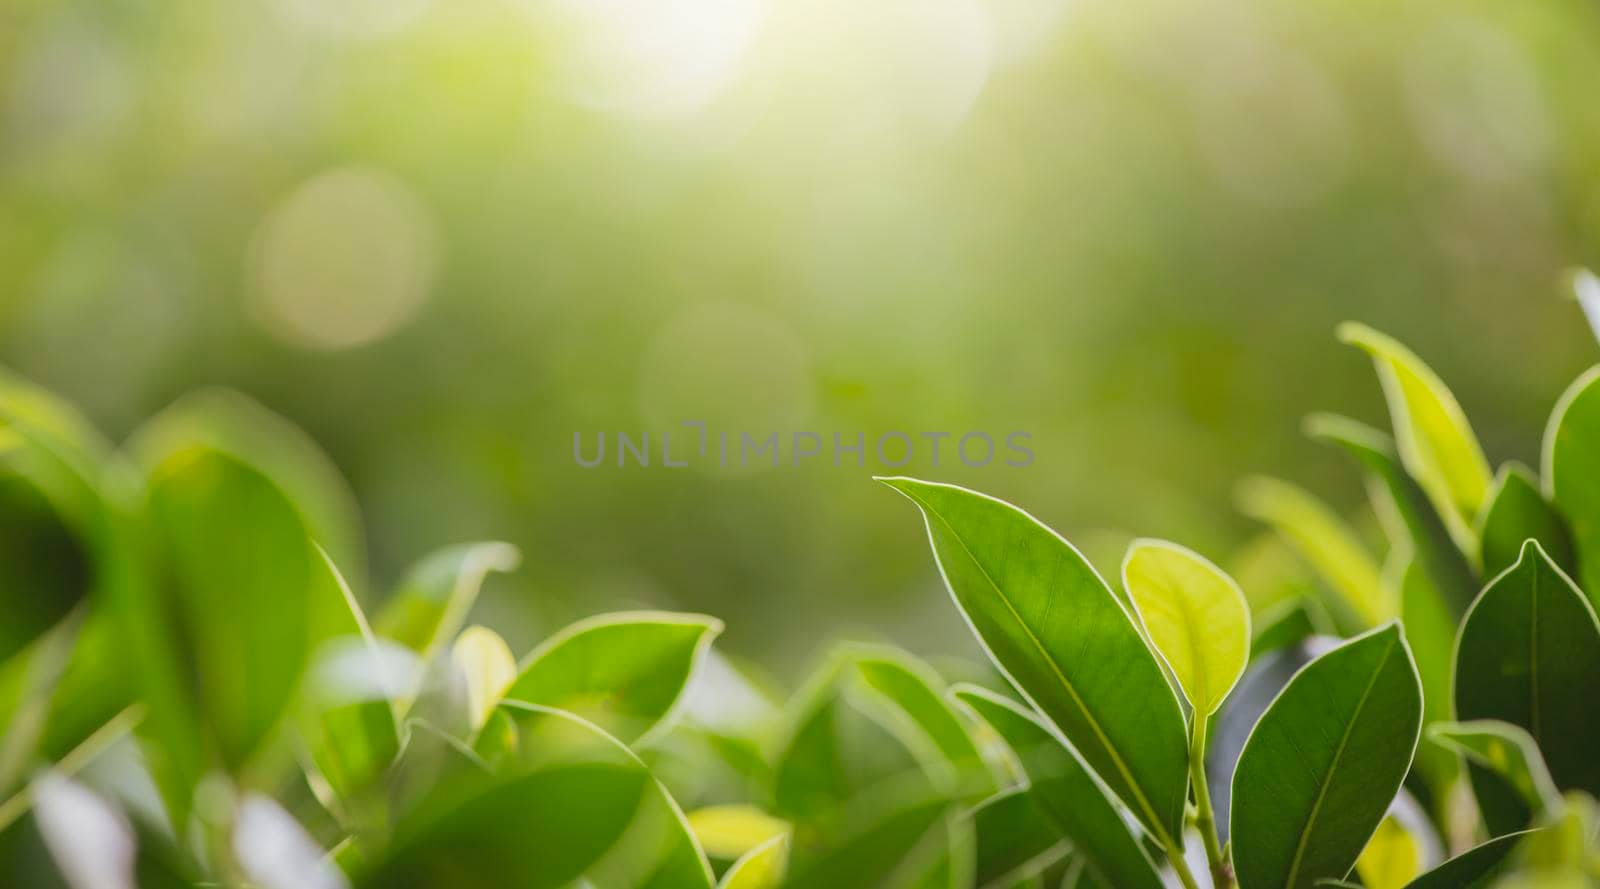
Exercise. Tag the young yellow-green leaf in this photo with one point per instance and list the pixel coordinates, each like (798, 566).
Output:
(1196, 617)
(730, 831)
(576, 805)
(1476, 868)
(1015, 839)
(1323, 539)
(1436, 442)
(1065, 791)
(1392, 858)
(430, 606)
(1508, 751)
(1572, 472)
(1323, 763)
(1517, 512)
(763, 867)
(1413, 522)
(489, 667)
(625, 671)
(1529, 654)
(1054, 628)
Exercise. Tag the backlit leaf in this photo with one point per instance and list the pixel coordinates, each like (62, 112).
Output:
(1436, 442)
(1053, 627)
(1323, 539)
(1196, 617)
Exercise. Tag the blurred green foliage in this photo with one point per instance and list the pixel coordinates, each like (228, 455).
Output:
(1125, 227)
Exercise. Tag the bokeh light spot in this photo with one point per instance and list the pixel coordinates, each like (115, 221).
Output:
(343, 261)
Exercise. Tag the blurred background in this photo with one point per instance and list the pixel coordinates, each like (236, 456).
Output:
(442, 236)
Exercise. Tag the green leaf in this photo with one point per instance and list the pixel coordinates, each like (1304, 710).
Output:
(1476, 868)
(1572, 472)
(1065, 791)
(1015, 840)
(240, 568)
(1518, 512)
(348, 720)
(915, 693)
(763, 867)
(1287, 623)
(63, 566)
(1320, 768)
(431, 605)
(831, 752)
(236, 424)
(577, 804)
(1412, 522)
(1196, 617)
(1508, 751)
(894, 836)
(1431, 633)
(1324, 540)
(1052, 626)
(1529, 655)
(1436, 442)
(624, 671)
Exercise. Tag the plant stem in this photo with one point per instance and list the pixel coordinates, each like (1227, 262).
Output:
(1181, 867)
(1205, 819)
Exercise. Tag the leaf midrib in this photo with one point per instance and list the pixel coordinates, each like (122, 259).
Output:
(1338, 754)
(1533, 655)
(1116, 758)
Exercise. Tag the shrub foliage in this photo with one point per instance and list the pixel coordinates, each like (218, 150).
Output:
(197, 687)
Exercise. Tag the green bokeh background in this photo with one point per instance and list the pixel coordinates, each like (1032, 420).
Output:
(1127, 228)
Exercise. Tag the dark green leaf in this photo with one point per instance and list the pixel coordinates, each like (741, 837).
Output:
(1572, 472)
(1518, 512)
(1529, 655)
(1475, 868)
(1321, 767)
(1053, 627)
